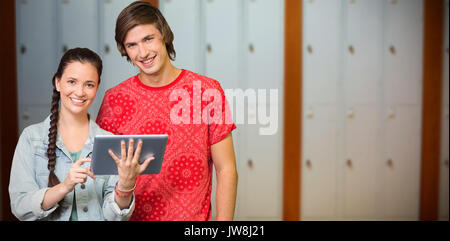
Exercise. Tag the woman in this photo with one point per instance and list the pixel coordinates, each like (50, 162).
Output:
(59, 149)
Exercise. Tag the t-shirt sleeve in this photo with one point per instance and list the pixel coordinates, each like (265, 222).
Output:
(105, 117)
(221, 120)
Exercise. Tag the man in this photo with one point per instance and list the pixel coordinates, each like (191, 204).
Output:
(190, 108)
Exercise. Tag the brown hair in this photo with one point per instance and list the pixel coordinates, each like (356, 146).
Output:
(81, 55)
(138, 13)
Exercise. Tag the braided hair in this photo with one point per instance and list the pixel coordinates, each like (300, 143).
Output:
(81, 55)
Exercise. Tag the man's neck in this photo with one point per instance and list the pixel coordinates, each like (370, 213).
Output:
(162, 78)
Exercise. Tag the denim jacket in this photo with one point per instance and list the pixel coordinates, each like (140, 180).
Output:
(29, 179)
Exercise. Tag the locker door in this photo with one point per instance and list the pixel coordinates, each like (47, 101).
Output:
(321, 50)
(362, 78)
(360, 170)
(184, 19)
(265, 44)
(443, 200)
(223, 31)
(263, 72)
(362, 75)
(319, 186)
(403, 91)
(263, 176)
(403, 51)
(78, 24)
(115, 67)
(36, 59)
(321, 75)
(401, 165)
(363, 53)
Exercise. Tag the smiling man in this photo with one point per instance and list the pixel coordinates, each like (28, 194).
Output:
(142, 104)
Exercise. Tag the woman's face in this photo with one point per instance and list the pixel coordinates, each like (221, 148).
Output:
(77, 87)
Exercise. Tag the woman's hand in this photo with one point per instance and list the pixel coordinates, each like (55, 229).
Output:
(128, 166)
(77, 174)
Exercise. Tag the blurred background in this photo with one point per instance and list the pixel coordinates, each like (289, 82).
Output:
(363, 103)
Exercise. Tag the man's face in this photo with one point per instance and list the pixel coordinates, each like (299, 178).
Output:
(145, 47)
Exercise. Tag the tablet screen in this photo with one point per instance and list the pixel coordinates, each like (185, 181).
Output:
(152, 146)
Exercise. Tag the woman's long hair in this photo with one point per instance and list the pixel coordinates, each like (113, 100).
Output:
(82, 55)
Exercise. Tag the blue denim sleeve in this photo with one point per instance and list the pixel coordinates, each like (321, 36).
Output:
(25, 195)
(111, 210)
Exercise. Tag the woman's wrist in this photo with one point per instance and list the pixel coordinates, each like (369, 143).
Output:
(123, 193)
(126, 185)
(64, 188)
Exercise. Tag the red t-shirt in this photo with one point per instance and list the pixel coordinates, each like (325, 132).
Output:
(194, 112)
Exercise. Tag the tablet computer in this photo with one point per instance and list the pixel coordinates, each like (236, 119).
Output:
(152, 146)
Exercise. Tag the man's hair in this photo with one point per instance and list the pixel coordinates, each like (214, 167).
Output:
(139, 13)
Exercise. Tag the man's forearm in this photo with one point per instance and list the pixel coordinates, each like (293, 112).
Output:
(226, 194)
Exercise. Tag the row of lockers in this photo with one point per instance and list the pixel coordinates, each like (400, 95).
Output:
(366, 46)
(362, 76)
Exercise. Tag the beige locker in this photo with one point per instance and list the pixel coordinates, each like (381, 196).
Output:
(322, 48)
(373, 50)
(363, 56)
(319, 163)
(321, 125)
(400, 177)
(36, 59)
(362, 147)
(402, 112)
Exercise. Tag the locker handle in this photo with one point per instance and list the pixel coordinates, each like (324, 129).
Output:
(65, 48)
(350, 113)
(309, 48)
(250, 163)
(251, 48)
(26, 115)
(349, 163)
(106, 49)
(446, 163)
(308, 164)
(351, 49)
(310, 114)
(390, 163)
(392, 49)
(23, 49)
(391, 113)
(209, 48)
